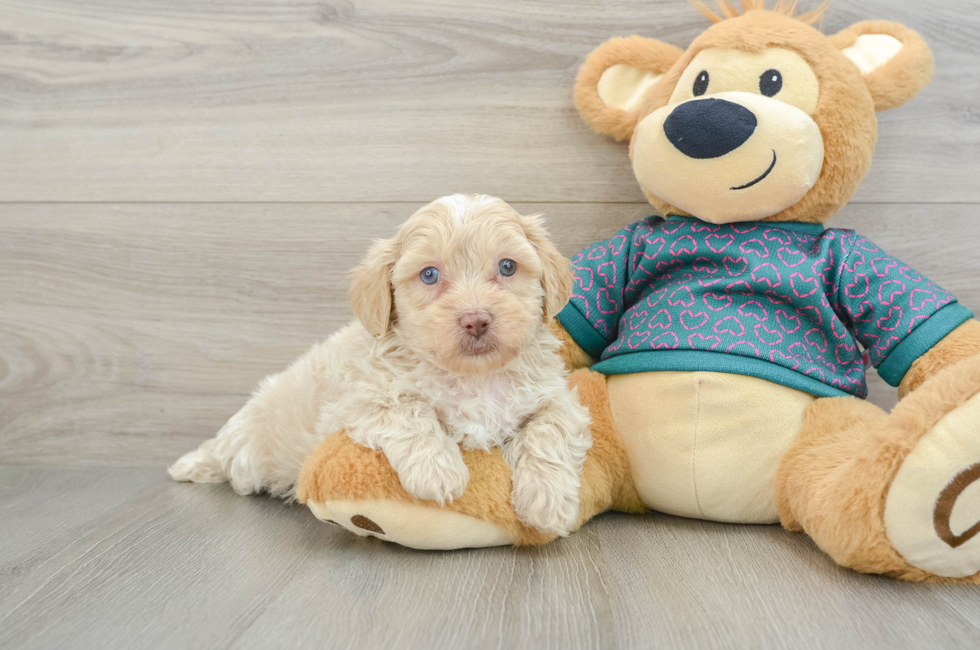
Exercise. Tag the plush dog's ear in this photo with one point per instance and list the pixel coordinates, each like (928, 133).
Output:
(556, 275)
(615, 78)
(370, 288)
(894, 60)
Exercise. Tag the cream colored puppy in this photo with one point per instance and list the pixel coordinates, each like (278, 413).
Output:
(450, 348)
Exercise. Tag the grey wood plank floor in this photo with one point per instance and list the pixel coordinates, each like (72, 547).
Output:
(183, 186)
(124, 558)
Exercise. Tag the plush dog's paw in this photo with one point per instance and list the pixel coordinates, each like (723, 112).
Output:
(546, 497)
(439, 476)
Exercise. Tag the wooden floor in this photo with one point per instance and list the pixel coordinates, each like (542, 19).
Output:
(183, 185)
(123, 558)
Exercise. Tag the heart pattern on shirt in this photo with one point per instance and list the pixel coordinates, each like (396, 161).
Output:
(798, 296)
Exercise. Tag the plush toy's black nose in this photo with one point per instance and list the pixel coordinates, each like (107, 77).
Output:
(709, 128)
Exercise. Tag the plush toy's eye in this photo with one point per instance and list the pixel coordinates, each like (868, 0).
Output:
(701, 83)
(770, 83)
(429, 275)
(507, 267)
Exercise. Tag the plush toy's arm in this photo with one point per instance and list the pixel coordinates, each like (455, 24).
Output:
(601, 269)
(573, 355)
(959, 345)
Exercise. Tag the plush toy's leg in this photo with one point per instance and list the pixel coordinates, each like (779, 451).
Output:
(899, 493)
(353, 486)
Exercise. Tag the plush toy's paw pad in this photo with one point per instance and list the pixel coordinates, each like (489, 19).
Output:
(932, 512)
(364, 523)
(411, 525)
(546, 500)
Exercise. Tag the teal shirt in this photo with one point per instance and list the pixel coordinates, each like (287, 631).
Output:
(797, 304)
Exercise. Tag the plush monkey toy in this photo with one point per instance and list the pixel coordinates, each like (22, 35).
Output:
(725, 339)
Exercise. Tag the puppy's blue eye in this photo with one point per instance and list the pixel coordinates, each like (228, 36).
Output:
(429, 275)
(507, 267)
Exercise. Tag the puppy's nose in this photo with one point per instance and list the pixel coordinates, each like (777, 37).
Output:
(709, 128)
(475, 322)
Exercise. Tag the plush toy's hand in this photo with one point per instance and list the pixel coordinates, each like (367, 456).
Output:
(959, 345)
(432, 469)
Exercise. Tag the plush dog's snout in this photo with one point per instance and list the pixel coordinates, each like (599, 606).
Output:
(709, 128)
(475, 322)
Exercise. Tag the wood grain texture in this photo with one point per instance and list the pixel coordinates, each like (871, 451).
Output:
(130, 333)
(123, 558)
(385, 100)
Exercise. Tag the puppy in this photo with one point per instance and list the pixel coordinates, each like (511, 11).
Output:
(450, 348)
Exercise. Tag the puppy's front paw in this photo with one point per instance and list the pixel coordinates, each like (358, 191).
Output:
(438, 476)
(546, 498)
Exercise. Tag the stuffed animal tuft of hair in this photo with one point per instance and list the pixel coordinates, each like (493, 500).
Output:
(721, 348)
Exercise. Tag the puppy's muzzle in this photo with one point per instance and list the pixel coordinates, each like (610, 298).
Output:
(476, 323)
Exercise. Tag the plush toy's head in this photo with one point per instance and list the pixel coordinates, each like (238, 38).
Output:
(762, 117)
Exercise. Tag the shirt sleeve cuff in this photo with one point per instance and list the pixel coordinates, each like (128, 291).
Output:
(581, 331)
(922, 339)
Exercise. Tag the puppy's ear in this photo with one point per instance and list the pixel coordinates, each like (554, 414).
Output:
(370, 288)
(615, 78)
(894, 60)
(556, 275)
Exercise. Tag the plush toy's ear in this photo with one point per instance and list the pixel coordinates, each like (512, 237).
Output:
(370, 289)
(556, 275)
(895, 61)
(614, 79)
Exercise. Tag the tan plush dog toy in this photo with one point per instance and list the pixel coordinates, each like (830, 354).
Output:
(725, 339)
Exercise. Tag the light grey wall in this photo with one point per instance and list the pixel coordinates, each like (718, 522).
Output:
(184, 185)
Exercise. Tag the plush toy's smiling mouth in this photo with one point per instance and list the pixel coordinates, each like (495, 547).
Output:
(764, 174)
(719, 177)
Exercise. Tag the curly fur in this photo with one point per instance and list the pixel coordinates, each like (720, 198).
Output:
(341, 470)
(407, 380)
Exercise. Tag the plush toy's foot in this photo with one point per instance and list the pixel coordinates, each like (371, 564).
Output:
(932, 511)
(355, 487)
(411, 525)
(897, 494)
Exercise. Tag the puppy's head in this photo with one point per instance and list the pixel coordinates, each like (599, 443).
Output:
(465, 283)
